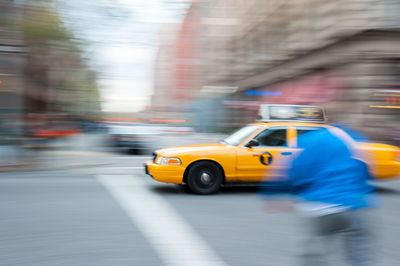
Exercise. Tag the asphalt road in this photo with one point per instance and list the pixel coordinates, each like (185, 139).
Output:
(109, 212)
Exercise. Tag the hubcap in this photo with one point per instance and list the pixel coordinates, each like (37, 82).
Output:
(205, 178)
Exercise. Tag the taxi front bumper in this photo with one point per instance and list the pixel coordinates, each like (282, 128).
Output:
(165, 173)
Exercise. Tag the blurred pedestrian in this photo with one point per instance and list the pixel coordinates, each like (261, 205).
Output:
(329, 179)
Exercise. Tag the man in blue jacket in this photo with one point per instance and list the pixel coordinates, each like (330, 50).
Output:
(330, 182)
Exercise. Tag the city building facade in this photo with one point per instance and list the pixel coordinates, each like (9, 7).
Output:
(343, 55)
(178, 70)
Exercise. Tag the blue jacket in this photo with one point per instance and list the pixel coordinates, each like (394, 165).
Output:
(326, 172)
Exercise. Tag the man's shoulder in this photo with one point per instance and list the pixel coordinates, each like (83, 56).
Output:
(314, 138)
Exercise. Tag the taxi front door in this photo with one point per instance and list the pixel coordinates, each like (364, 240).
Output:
(268, 160)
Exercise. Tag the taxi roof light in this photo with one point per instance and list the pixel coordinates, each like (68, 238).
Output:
(286, 112)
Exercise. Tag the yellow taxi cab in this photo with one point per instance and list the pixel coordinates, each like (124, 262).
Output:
(259, 152)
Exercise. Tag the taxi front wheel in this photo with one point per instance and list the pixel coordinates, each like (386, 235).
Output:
(204, 178)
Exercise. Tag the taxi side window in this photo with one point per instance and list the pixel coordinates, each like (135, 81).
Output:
(272, 137)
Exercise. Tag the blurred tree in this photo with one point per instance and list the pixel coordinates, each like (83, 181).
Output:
(57, 77)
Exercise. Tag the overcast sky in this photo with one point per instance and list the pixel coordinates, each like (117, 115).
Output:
(122, 38)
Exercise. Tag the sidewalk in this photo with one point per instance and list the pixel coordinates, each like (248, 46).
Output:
(70, 152)
(91, 150)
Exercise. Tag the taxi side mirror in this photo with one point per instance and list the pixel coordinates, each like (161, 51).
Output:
(252, 143)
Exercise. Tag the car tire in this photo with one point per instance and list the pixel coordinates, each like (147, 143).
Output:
(204, 178)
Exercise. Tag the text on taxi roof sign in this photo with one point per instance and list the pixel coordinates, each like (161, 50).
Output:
(277, 112)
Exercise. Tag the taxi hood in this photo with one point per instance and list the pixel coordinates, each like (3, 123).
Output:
(179, 150)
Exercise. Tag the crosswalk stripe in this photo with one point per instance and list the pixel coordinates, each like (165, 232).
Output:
(176, 242)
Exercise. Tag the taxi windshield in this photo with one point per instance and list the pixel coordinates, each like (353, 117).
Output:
(240, 135)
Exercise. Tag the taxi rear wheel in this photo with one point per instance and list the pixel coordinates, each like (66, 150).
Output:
(204, 178)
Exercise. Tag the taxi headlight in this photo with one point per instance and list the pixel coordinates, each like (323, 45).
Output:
(168, 161)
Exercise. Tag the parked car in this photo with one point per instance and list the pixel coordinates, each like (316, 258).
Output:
(133, 138)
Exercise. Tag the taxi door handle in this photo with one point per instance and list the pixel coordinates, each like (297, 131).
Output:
(286, 153)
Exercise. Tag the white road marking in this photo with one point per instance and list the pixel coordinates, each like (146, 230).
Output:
(175, 241)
